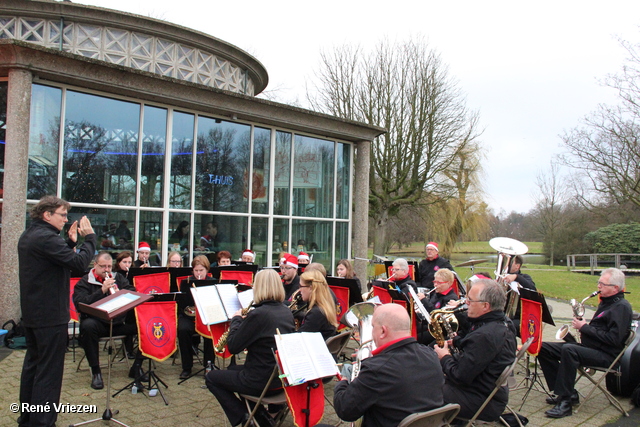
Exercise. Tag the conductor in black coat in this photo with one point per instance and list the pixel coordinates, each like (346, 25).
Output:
(401, 378)
(45, 261)
(255, 332)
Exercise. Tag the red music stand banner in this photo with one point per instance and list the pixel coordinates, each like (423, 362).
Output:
(157, 329)
(201, 328)
(245, 277)
(342, 306)
(531, 324)
(157, 283)
(73, 312)
(216, 332)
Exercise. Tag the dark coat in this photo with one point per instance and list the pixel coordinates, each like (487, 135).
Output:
(404, 378)
(291, 287)
(525, 280)
(437, 301)
(256, 334)
(88, 290)
(427, 270)
(315, 321)
(610, 325)
(45, 261)
(485, 351)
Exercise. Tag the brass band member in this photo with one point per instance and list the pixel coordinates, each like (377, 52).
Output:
(401, 276)
(321, 313)
(488, 347)
(224, 257)
(290, 278)
(402, 377)
(254, 332)
(174, 260)
(438, 298)
(431, 264)
(345, 269)
(186, 323)
(602, 340)
(124, 260)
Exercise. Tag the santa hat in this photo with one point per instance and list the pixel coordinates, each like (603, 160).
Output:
(303, 256)
(433, 245)
(144, 246)
(250, 253)
(290, 260)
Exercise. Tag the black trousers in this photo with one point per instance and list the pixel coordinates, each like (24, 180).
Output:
(41, 379)
(470, 402)
(91, 330)
(186, 329)
(224, 385)
(560, 361)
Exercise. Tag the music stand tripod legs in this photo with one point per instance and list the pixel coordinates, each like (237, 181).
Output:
(153, 378)
(107, 415)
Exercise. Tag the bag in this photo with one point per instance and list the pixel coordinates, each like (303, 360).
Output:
(15, 337)
(510, 419)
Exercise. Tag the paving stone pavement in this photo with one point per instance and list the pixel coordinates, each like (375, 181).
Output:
(190, 398)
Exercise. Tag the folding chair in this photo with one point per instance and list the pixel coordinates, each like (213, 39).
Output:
(614, 369)
(500, 382)
(337, 343)
(278, 399)
(119, 349)
(434, 418)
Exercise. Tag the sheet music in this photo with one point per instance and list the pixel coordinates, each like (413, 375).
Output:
(209, 305)
(305, 357)
(229, 298)
(245, 298)
(118, 302)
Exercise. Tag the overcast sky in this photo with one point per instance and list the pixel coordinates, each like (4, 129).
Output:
(531, 69)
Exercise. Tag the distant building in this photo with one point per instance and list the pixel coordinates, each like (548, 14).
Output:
(136, 119)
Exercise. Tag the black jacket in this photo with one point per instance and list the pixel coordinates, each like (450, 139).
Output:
(315, 321)
(525, 280)
(89, 290)
(437, 301)
(291, 287)
(610, 325)
(404, 283)
(45, 261)
(486, 349)
(255, 333)
(404, 378)
(427, 270)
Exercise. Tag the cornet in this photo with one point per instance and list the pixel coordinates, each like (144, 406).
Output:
(113, 289)
(578, 311)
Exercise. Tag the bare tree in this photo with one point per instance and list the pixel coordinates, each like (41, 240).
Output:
(605, 149)
(406, 89)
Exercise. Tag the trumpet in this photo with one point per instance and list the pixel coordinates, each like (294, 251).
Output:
(222, 341)
(113, 289)
(578, 311)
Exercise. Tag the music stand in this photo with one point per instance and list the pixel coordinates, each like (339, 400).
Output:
(354, 290)
(108, 309)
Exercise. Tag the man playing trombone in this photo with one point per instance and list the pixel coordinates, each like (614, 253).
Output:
(602, 340)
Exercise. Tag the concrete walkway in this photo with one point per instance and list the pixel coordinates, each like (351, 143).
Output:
(190, 398)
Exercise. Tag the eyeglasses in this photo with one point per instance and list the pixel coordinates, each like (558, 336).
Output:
(397, 269)
(287, 268)
(104, 267)
(469, 300)
(175, 261)
(63, 215)
(605, 284)
(437, 282)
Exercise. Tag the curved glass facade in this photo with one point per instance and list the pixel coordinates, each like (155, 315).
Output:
(185, 181)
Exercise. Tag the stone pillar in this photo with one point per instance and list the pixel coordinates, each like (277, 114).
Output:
(16, 161)
(361, 209)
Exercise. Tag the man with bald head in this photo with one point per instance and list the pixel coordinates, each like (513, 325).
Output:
(401, 377)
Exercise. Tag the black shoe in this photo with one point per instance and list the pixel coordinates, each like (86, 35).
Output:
(96, 382)
(137, 373)
(131, 356)
(186, 373)
(561, 410)
(554, 400)
(263, 418)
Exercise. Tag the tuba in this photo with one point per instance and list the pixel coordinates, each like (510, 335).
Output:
(507, 250)
(578, 311)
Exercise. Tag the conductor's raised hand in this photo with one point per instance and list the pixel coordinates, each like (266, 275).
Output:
(73, 232)
(85, 227)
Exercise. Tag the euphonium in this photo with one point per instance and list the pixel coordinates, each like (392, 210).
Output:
(578, 311)
(507, 249)
(222, 342)
(190, 311)
(364, 314)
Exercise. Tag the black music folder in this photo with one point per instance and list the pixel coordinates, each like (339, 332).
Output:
(354, 290)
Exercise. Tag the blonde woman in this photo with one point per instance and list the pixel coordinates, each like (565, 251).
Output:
(254, 332)
(321, 307)
(174, 260)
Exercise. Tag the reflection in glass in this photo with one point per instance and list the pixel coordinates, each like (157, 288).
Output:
(259, 228)
(343, 182)
(100, 150)
(280, 238)
(313, 169)
(342, 242)
(282, 175)
(222, 165)
(181, 160)
(180, 234)
(114, 228)
(261, 156)
(154, 136)
(315, 238)
(151, 232)
(220, 233)
(44, 137)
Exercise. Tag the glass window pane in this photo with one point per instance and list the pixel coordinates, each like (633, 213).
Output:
(215, 233)
(261, 163)
(114, 228)
(154, 135)
(44, 135)
(342, 242)
(259, 235)
(280, 239)
(344, 181)
(282, 174)
(100, 150)
(151, 232)
(181, 160)
(314, 238)
(180, 234)
(222, 165)
(313, 177)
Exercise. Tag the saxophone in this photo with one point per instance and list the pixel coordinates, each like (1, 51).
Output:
(444, 325)
(222, 341)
